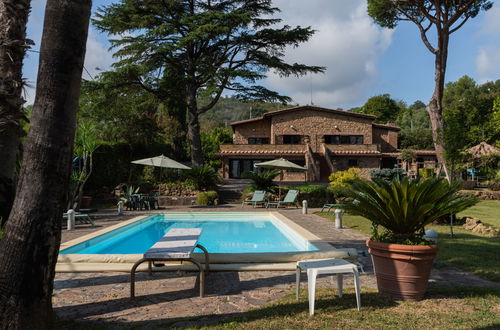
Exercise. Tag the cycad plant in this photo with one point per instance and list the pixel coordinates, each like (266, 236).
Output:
(202, 178)
(403, 206)
(262, 180)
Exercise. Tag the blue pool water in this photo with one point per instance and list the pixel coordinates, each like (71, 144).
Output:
(222, 233)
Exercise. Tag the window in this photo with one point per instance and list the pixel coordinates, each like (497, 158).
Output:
(352, 162)
(257, 140)
(343, 139)
(291, 139)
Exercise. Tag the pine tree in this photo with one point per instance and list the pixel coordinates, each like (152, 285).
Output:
(214, 45)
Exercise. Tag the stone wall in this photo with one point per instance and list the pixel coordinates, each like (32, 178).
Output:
(316, 124)
(256, 129)
(388, 139)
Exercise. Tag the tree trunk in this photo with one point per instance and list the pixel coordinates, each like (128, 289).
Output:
(435, 106)
(13, 45)
(194, 135)
(29, 248)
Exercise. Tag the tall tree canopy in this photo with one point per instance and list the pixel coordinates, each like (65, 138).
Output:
(383, 106)
(442, 17)
(469, 116)
(212, 45)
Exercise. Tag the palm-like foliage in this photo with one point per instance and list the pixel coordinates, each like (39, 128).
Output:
(262, 180)
(202, 177)
(403, 206)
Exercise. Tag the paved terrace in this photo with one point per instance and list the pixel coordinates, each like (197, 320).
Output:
(172, 297)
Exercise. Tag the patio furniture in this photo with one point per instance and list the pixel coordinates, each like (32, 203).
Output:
(327, 206)
(290, 199)
(177, 245)
(326, 266)
(258, 197)
(81, 218)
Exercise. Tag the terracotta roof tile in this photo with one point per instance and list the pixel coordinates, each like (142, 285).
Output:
(356, 152)
(262, 152)
(306, 107)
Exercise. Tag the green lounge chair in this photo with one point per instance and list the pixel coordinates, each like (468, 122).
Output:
(258, 197)
(81, 218)
(290, 199)
(327, 206)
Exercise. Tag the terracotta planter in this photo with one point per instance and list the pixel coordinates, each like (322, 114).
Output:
(86, 201)
(402, 271)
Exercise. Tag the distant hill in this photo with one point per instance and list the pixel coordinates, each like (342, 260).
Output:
(230, 109)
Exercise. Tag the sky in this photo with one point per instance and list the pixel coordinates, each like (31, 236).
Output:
(361, 59)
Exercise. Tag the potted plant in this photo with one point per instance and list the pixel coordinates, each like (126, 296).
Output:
(402, 257)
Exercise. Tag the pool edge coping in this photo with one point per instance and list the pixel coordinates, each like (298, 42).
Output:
(324, 249)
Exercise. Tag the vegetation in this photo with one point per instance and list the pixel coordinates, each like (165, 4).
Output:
(316, 195)
(207, 198)
(403, 207)
(201, 48)
(262, 180)
(469, 115)
(444, 18)
(211, 141)
(14, 44)
(202, 178)
(342, 179)
(469, 251)
(30, 244)
(387, 174)
(86, 143)
(383, 106)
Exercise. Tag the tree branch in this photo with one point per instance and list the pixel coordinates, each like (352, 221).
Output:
(460, 25)
(423, 30)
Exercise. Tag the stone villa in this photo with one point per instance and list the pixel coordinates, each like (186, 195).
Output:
(324, 140)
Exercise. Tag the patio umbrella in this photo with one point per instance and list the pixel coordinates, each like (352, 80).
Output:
(281, 164)
(161, 161)
(482, 149)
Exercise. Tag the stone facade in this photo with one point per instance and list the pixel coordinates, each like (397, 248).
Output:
(332, 139)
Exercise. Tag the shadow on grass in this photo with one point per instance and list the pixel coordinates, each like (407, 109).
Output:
(435, 291)
(289, 308)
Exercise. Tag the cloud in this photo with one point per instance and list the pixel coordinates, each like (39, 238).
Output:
(487, 63)
(488, 56)
(97, 57)
(347, 43)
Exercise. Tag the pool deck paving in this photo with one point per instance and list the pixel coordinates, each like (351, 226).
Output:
(171, 298)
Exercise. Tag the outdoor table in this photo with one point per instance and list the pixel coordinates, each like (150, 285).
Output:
(326, 266)
(178, 244)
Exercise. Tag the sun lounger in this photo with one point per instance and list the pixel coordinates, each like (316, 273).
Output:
(290, 199)
(81, 218)
(177, 245)
(258, 197)
(327, 206)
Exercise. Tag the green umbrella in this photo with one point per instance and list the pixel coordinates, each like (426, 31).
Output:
(161, 161)
(281, 164)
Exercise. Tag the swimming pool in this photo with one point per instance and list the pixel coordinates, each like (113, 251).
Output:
(222, 233)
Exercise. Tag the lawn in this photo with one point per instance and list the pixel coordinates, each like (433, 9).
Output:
(444, 308)
(468, 251)
(487, 211)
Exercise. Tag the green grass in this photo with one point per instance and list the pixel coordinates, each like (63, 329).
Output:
(468, 251)
(487, 211)
(443, 308)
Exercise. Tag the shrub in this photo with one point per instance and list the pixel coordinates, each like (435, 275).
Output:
(202, 178)
(426, 173)
(262, 180)
(342, 179)
(407, 155)
(207, 198)
(494, 186)
(403, 206)
(316, 195)
(387, 173)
